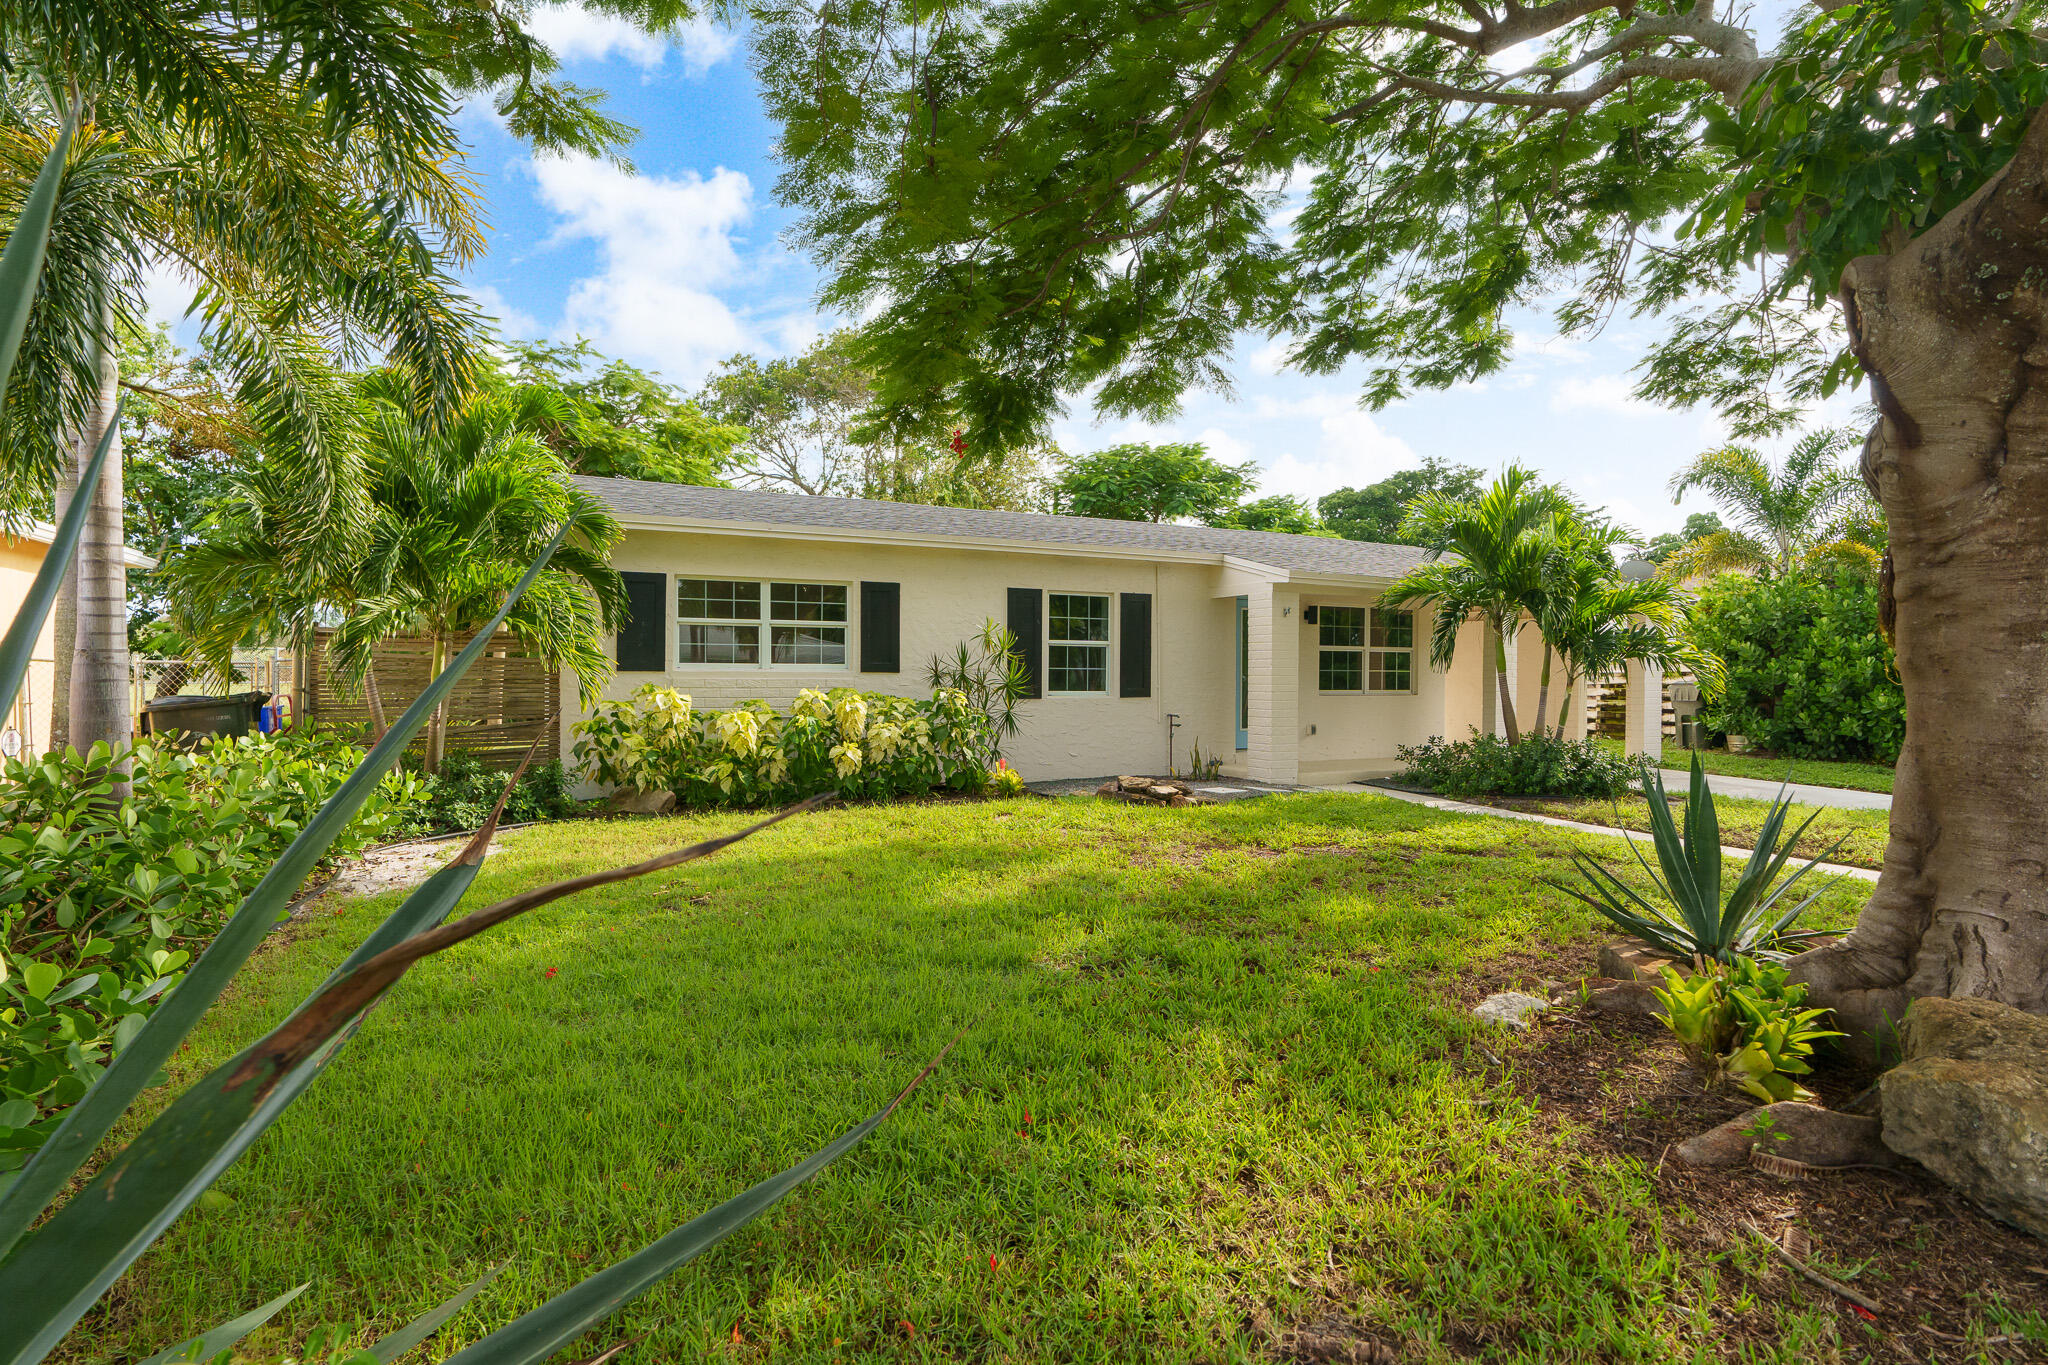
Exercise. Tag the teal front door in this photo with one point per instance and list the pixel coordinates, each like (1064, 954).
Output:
(1244, 660)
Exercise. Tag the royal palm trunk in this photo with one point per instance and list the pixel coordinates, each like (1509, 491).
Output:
(100, 708)
(1952, 329)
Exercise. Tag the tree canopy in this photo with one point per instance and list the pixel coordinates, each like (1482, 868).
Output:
(1042, 198)
(619, 421)
(1379, 511)
(1143, 481)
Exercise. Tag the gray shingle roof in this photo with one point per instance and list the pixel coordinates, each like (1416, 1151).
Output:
(633, 498)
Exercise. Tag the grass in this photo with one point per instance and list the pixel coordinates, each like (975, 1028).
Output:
(1863, 833)
(1216, 1081)
(1862, 777)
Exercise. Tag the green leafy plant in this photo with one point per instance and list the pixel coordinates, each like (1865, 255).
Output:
(55, 1263)
(988, 670)
(1808, 673)
(105, 901)
(1540, 765)
(1696, 921)
(1741, 1021)
(462, 795)
(1005, 781)
(859, 745)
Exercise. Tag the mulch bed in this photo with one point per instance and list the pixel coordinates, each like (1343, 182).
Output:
(1929, 1259)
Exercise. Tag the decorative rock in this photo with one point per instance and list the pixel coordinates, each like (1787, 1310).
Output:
(1632, 962)
(1627, 998)
(1970, 1103)
(626, 801)
(1791, 1131)
(1511, 1008)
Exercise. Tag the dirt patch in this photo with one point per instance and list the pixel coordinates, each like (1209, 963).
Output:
(1928, 1258)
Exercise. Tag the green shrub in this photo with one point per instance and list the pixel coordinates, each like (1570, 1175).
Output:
(1809, 676)
(862, 745)
(461, 795)
(103, 905)
(1487, 765)
(1004, 780)
(1741, 1021)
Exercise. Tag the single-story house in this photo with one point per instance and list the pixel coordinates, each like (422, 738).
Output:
(25, 726)
(1142, 640)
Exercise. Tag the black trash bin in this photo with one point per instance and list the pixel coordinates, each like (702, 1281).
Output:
(194, 718)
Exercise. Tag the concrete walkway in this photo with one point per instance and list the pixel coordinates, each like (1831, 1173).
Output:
(1741, 855)
(1759, 789)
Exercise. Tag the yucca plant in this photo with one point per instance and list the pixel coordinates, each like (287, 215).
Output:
(54, 1268)
(1697, 922)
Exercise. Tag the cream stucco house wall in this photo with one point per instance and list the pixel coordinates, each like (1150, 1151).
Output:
(1144, 640)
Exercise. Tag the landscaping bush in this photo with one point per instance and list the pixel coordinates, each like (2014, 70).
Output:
(102, 905)
(1809, 676)
(862, 745)
(1487, 765)
(1742, 1021)
(461, 795)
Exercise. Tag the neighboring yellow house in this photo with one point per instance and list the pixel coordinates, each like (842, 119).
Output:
(25, 727)
(1142, 639)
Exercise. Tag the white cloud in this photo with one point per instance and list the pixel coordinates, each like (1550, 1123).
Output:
(514, 322)
(577, 34)
(664, 245)
(1602, 393)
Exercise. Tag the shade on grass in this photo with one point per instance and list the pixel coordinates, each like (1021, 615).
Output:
(1214, 1082)
(1856, 838)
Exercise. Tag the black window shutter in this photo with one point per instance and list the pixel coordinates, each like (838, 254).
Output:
(1134, 656)
(881, 612)
(644, 632)
(1028, 625)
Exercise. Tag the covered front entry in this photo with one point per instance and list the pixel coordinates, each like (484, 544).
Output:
(1329, 686)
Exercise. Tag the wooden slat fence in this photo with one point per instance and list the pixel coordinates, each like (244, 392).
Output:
(506, 698)
(1607, 705)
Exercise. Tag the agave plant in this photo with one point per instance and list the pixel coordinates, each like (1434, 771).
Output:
(1697, 922)
(54, 1268)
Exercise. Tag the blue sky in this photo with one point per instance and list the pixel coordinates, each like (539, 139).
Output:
(682, 264)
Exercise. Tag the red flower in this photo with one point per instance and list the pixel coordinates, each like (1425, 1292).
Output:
(909, 1327)
(991, 1261)
(549, 975)
(959, 442)
(1027, 1116)
(1864, 1313)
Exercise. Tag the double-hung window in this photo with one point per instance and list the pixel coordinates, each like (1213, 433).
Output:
(1077, 642)
(1365, 650)
(722, 621)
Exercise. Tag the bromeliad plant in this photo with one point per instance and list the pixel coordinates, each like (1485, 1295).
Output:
(1741, 1021)
(1698, 923)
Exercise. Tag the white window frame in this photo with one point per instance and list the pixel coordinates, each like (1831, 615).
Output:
(764, 621)
(1109, 636)
(1365, 651)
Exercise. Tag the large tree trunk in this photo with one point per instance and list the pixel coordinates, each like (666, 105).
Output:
(1504, 685)
(64, 612)
(100, 705)
(1953, 331)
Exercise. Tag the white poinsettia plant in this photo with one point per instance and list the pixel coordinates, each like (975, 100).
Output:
(862, 745)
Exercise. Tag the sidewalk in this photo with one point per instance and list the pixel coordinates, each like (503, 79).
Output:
(1465, 808)
(1801, 793)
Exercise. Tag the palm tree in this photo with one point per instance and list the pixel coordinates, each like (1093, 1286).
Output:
(301, 165)
(1490, 567)
(457, 516)
(1598, 621)
(1782, 517)
(302, 247)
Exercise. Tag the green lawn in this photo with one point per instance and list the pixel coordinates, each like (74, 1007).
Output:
(1863, 777)
(1215, 1083)
(1863, 833)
